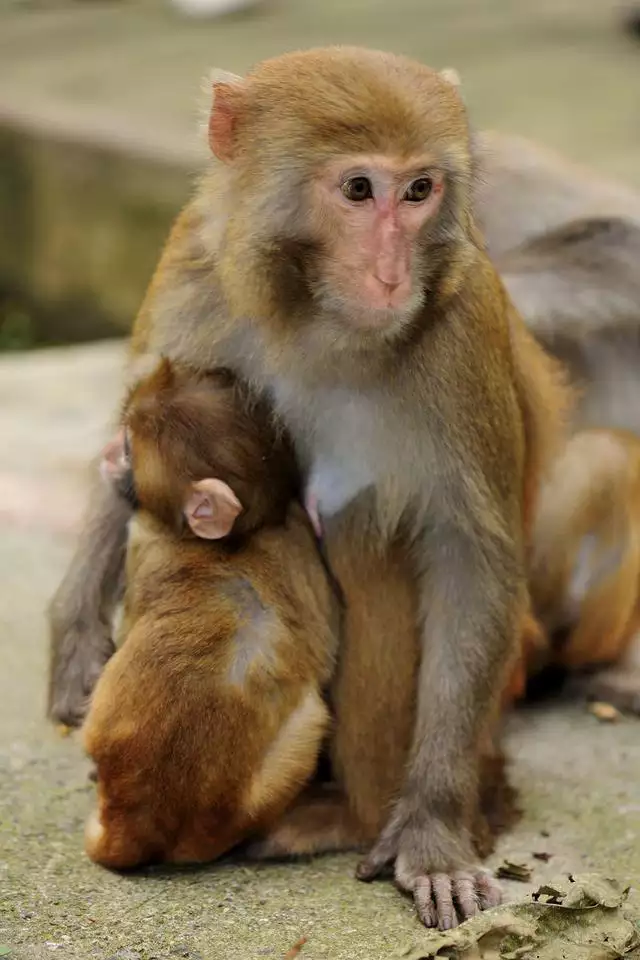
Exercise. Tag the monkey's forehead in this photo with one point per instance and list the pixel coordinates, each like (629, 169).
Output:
(352, 99)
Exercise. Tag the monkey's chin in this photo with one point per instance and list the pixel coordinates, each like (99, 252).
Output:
(388, 320)
(356, 322)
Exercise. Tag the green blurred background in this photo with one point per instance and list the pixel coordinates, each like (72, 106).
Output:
(99, 116)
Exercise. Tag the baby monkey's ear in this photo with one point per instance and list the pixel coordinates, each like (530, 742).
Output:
(211, 509)
(115, 461)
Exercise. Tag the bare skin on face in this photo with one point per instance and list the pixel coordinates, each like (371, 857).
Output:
(378, 205)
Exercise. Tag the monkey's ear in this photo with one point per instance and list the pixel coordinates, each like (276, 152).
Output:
(164, 375)
(228, 104)
(114, 462)
(451, 76)
(211, 509)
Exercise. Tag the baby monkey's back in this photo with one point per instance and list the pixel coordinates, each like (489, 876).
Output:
(209, 718)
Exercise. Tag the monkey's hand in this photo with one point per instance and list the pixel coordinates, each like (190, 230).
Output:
(80, 651)
(434, 865)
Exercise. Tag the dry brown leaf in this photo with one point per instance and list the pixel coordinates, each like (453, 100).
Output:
(293, 951)
(509, 870)
(604, 712)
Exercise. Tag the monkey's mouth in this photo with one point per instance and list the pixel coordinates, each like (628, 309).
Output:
(389, 313)
(387, 296)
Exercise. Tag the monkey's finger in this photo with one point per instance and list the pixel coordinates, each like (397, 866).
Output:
(464, 891)
(379, 857)
(488, 890)
(443, 895)
(423, 898)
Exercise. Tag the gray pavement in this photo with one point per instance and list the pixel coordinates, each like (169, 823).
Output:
(580, 780)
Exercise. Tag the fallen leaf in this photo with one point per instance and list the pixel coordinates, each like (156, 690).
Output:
(63, 730)
(582, 917)
(509, 870)
(542, 855)
(293, 951)
(604, 712)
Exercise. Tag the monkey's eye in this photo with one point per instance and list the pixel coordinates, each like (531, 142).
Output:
(357, 189)
(419, 190)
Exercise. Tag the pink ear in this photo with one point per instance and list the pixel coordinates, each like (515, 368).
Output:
(211, 509)
(114, 462)
(228, 104)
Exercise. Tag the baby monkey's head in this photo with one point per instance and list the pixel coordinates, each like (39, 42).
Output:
(200, 453)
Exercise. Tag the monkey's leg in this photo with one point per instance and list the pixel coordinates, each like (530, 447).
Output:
(472, 605)
(318, 822)
(618, 684)
(81, 612)
(373, 690)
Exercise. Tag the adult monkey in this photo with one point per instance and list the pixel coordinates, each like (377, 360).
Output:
(567, 243)
(370, 103)
(331, 258)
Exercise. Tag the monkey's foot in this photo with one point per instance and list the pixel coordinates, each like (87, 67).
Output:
(443, 898)
(617, 686)
(80, 655)
(314, 824)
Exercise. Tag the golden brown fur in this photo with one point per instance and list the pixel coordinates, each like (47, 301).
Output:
(575, 283)
(586, 560)
(209, 718)
(423, 424)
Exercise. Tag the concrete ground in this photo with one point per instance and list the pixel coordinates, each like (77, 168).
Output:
(579, 779)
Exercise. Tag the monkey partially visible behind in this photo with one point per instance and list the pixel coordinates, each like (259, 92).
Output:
(209, 718)
(585, 570)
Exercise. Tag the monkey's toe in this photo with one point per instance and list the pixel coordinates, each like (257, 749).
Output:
(377, 860)
(423, 899)
(489, 891)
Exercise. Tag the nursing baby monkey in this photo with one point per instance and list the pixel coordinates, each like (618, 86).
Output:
(331, 259)
(209, 718)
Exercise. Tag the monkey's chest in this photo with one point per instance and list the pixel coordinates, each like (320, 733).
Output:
(348, 445)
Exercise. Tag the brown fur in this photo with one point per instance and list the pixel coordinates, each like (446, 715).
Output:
(528, 201)
(444, 406)
(478, 404)
(209, 718)
(586, 559)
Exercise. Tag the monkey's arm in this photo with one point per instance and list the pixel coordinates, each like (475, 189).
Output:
(472, 599)
(81, 613)
(82, 609)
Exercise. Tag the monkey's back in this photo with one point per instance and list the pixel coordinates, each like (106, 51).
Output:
(209, 717)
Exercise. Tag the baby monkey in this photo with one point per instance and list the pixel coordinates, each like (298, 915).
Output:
(209, 718)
